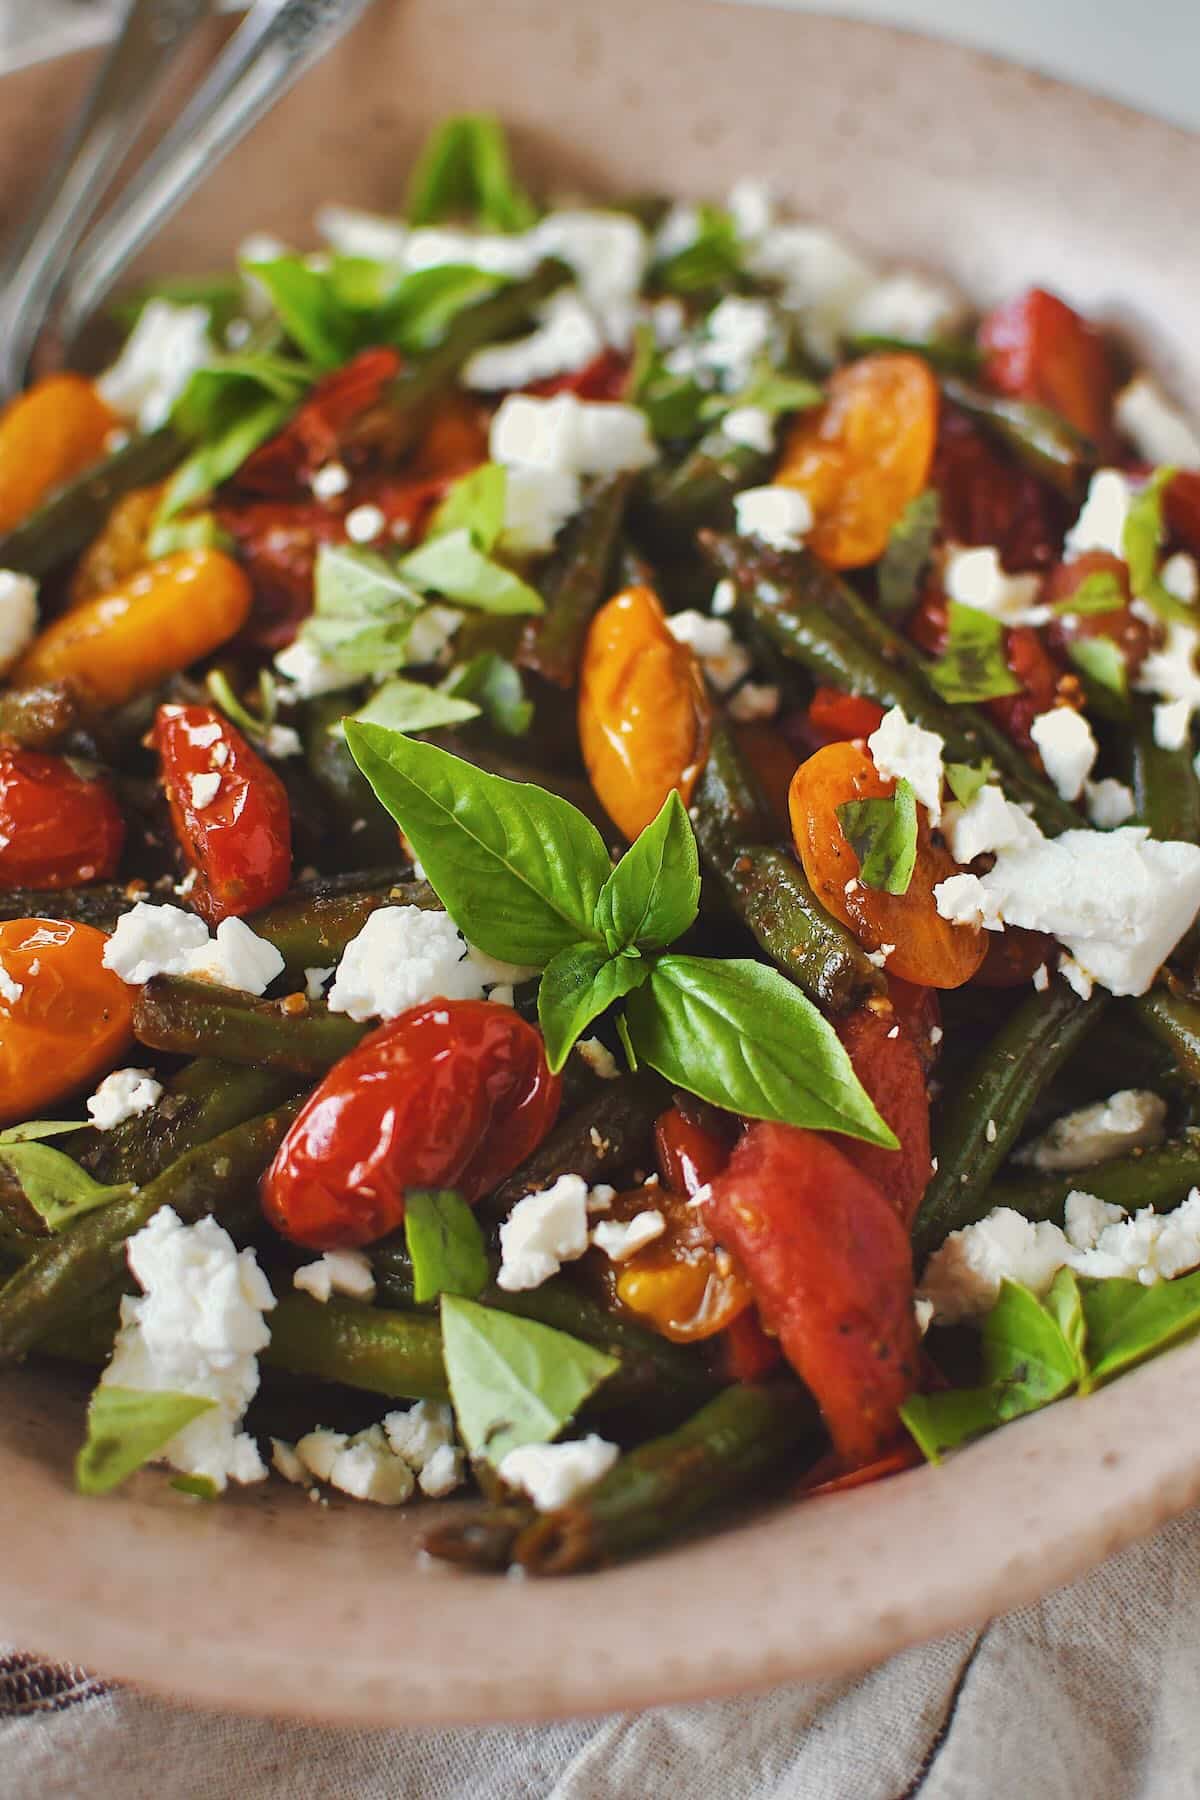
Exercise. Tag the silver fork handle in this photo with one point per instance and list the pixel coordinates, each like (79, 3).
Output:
(152, 35)
(266, 55)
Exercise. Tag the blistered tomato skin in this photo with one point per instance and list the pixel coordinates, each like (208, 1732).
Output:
(57, 827)
(229, 809)
(70, 1022)
(1038, 348)
(454, 1094)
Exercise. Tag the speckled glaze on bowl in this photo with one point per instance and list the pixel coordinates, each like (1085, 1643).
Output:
(268, 1604)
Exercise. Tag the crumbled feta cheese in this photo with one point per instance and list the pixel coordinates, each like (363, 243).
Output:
(1180, 575)
(204, 789)
(677, 230)
(10, 990)
(565, 339)
(1158, 431)
(424, 1437)
(236, 958)
(503, 994)
(442, 1473)
(123, 1095)
(1041, 978)
(667, 319)
(403, 957)
(621, 1239)
(537, 504)
(754, 700)
(601, 1197)
(367, 1468)
(154, 940)
(330, 480)
(351, 232)
(724, 660)
(989, 823)
(1132, 1119)
(737, 333)
(310, 673)
(1076, 976)
(724, 599)
(160, 356)
(315, 979)
(197, 1329)
(1171, 675)
(780, 516)
(879, 957)
(1101, 524)
(599, 1058)
(1067, 748)
(751, 209)
(752, 426)
(346, 1272)
(975, 577)
(1119, 900)
(821, 277)
(317, 1451)
(608, 253)
(498, 253)
(923, 1313)
(285, 1462)
(901, 750)
(18, 616)
(543, 1231)
(1148, 1247)
(909, 305)
(553, 1474)
(1109, 803)
(962, 1279)
(364, 524)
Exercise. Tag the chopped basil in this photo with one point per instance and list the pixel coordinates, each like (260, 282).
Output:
(883, 835)
(464, 172)
(402, 705)
(475, 504)
(451, 565)
(965, 781)
(972, 667)
(907, 555)
(1099, 592)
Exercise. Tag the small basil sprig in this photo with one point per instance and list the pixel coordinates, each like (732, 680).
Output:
(906, 558)
(57, 1189)
(1141, 540)
(883, 835)
(527, 878)
(972, 667)
(464, 171)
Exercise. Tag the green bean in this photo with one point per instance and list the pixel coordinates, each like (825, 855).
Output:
(600, 1139)
(769, 890)
(1174, 1021)
(819, 621)
(1159, 1178)
(1047, 446)
(951, 356)
(203, 1101)
(1164, 782)
(197, 1018)
(218, 1178)
(393, 1353)
(673, 504)
(34, 717)
(70, 519)
(985, 1111)
(311, 927)
(101, 904)
(363, 831)
(726, 1451)
(575, 585)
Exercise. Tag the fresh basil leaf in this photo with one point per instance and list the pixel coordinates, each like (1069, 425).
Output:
(883, 835)
(1127, 1323)
(1099, 592)
(1141, 541)
(973, 665)
(512, 1380)
(420, 310)
(494, 685)
(402, 705)
(475, 504)
(34, 1129)
(306, 302)
(58, 1190)
(769, 391)
(939, 1423)
(950, 356)
(1064, 1303)
(452, 566)
(1027, 1358)
(713, 258)
(463, 171)
(445, 1243)
(1101, 661)
(256, 418)
(906, 558)
(672, 402)
(225, 388)
(518, 869)
(199, 1487)
(127, 1427)
(743, 1037)
(363, 610)
(578, 985)
(653, 894)
(966, 781)
(196, 531)
(256, 726)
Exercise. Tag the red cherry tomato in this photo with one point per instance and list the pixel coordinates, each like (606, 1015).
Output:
(919, 1014)
(889, 1066)
(230, 812)
(1122, 627)
(57, 827)
(1038, 348)
(689, 1154)
(831, 1269)
(604, 378)
(450, 1095)
(313, 436)
(1181, 504)
(749, 1353)
(1014, 957)
(837, 718)
(985, 499)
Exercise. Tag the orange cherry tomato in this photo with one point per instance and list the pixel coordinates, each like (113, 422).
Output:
(683, 1285)
(645, 718)
(689, 1153)
(1039, 348)
(46, 436)
(835, 718)
(864, 455)
(120, 549)
(450, 1095)
(890, 1068)
(928, 949)
(57, 826)
(238, 837)
(70, 1023)
(121, 643)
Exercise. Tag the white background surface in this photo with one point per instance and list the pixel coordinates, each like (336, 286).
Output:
(1145, 52)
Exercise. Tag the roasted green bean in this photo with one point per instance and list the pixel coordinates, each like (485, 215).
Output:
(67, 522)
(197, 1018)
(1158, 1178)
(575, 585)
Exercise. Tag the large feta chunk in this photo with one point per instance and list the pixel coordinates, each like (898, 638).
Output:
(724, 660)
(752, 426)
(543, 1231)
(988, 824)
(822, 279)
(780, 516)
(1109, 803)
(572, 436)
(123, 1095)
(367, 1468)
(962, 1279)
(424, 1437)
(237, 958)
(154, 940)
(622, 1238)
(1156, 428)
(1147, 1247)
(553, 1474)
(975, 577)
(607, 252)
(1101, 524)
(352, 232)
(1132, 1119)
(197, 1329)
(162, 353)
(902, 751)
(1170, 674)
(403, 957)
(18, 616)
(566, 337)
(1067, 748)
